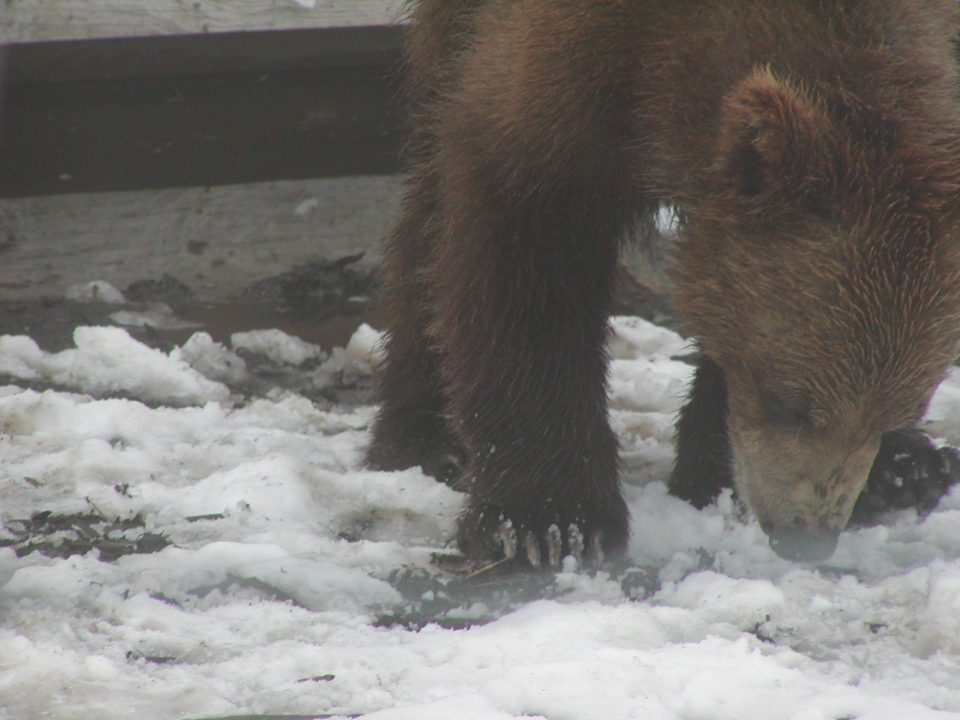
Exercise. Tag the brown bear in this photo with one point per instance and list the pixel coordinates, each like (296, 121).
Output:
(812, 150)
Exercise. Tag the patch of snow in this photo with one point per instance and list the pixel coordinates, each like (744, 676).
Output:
(307, 206)
(107, 361)
(941, 418)
(276, 345)
(211, 359)
(284, 556)
(365, 348)
(156, 315)
(95, 291)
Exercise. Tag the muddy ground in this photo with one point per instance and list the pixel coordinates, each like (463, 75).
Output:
(322, 302)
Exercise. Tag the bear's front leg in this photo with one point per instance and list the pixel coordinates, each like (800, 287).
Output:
(536, 182)
(523, 286)
(410, 429)
(702, 465)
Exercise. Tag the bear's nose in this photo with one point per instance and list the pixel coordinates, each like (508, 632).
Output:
(801, 545)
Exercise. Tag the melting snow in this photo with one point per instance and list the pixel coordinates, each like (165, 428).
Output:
(286, 558)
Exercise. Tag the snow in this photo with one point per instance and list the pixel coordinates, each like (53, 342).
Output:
(276, 345)
(275, 593)
(95, 291)
(107, 360)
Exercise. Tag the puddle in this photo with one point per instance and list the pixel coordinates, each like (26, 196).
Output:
(222, 320)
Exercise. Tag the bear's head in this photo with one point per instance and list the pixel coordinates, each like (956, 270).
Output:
(821, 272)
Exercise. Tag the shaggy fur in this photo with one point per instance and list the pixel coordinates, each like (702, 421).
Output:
(812, 149)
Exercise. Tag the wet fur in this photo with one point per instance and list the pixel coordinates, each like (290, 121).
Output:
(542, 128)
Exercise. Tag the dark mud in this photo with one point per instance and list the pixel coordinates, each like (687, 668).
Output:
(64, 535)
(322, 302)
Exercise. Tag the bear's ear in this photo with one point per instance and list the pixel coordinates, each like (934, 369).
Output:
(773, 134)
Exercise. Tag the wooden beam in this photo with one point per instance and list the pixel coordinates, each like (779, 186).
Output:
(154, 113)
(238, 52)
(43, 20)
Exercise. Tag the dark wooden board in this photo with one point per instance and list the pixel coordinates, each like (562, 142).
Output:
(152, 113)
(220, 53)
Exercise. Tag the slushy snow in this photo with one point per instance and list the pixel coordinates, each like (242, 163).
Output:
(285, 554)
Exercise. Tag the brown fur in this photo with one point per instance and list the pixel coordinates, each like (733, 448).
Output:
(813, 150)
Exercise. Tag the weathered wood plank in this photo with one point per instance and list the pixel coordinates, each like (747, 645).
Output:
(234, 52)
(177, 131)
(37, 20)
(217, 240)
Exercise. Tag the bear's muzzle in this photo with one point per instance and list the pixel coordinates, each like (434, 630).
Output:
(801, 488)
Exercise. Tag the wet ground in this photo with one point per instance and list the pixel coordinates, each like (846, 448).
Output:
(322, 302)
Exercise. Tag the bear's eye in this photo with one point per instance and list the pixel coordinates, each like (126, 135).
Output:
(788, 413)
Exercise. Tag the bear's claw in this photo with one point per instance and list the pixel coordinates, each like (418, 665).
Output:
(533, 549)
(506, 537)
(554, 546)
(575, 539)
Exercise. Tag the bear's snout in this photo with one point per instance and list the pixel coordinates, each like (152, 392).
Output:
(802, 489)
(803, 546)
